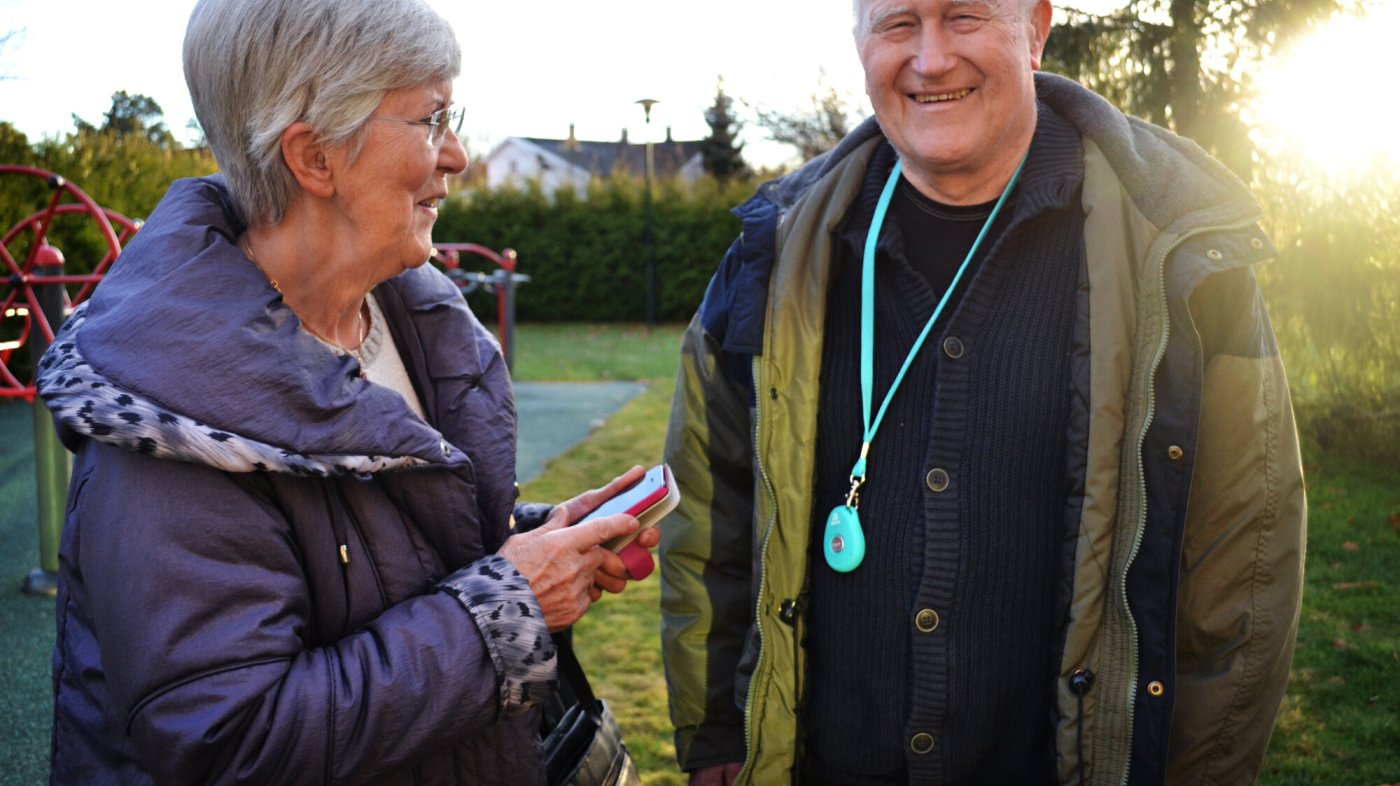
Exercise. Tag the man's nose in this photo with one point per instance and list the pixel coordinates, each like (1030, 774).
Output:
(935, 53)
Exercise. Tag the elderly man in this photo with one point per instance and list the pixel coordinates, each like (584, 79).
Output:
(988, 463)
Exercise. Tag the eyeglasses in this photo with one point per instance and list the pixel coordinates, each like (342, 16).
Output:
(437, 123)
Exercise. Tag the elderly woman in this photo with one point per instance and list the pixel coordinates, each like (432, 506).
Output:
(292, 550)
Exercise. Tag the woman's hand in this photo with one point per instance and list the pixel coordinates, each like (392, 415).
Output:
(567, 567)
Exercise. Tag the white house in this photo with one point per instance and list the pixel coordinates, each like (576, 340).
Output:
(572, 162)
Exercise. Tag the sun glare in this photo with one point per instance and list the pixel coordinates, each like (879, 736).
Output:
(1333, 96)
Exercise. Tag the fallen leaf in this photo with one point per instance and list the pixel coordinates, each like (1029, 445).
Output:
(1360, 627)
(1351, 546)
(1339, 644)
(1350, 585)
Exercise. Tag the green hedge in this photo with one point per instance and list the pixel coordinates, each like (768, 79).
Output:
(586, 257)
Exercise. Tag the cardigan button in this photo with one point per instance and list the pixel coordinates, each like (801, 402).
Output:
(921, 743)
(952, 347)
(926, 620)
(937, 479)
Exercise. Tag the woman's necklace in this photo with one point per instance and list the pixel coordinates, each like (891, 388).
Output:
(361, 332)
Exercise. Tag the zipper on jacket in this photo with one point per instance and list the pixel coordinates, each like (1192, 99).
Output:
(342, 534)
(791, 614)
(1079, 684)
(749, 759)
(336, 504)
(1160, 352)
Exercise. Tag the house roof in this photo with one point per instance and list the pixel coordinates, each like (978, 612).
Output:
(602, 158)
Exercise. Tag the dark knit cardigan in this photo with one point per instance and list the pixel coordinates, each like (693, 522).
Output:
(987, 402)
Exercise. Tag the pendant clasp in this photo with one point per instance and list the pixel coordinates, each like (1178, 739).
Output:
(853, 496)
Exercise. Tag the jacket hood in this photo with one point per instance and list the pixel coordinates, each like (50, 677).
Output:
(1170, 178)
(186, 351)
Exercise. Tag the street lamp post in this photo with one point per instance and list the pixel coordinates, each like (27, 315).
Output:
(648, 239)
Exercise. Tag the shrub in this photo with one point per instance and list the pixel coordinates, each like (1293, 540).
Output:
(586, 257)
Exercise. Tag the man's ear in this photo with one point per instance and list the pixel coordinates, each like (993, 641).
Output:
(306, 158)
(1041, 15)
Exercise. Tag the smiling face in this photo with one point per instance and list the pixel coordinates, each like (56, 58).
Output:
(951, 83)
(388, 193)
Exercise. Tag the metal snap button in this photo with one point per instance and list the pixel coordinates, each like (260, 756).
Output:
(937, 479)
(1256, 244)
(1155, 689)
(921, 743)
(1215, 255)
(926, 620)
(1175, 453)
(952, 347)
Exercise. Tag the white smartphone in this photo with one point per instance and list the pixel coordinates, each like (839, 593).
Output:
(649, 499)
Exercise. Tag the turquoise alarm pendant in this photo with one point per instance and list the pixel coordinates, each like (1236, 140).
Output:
(843, 543)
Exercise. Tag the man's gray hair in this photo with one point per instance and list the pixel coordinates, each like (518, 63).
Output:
(255, 67)
(859, 22)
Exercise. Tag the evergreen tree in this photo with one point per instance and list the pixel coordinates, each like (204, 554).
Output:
(1184, 64)
(722, 157)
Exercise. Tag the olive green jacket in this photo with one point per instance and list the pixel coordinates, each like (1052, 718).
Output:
(1192, 494)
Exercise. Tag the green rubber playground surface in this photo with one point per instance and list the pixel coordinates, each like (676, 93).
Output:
(26, 623)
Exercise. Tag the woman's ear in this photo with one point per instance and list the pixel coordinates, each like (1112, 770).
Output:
(306, 158)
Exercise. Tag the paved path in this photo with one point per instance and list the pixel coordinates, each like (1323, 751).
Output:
(553, 418)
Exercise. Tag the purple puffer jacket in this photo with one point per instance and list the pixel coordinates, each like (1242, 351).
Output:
(272, 571)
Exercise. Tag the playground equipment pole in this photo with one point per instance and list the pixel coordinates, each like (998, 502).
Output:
(507, 305)
(51, 466)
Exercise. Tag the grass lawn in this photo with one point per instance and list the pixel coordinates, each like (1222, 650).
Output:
(574, 352)
(618, 642)
(1340, 722)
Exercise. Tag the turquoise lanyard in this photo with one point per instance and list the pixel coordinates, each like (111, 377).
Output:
(843, 542)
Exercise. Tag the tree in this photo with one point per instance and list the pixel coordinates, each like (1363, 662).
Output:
(812, 131)
(721, 156)
(131, 115)
(1184, 64)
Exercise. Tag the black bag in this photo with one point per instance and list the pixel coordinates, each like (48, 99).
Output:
(582, 742)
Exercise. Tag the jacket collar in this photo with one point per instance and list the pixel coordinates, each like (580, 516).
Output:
(185, 323)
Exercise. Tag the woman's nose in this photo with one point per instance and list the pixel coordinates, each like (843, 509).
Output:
(452, 156)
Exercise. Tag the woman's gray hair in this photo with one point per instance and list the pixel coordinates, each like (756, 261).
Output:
(255, 67)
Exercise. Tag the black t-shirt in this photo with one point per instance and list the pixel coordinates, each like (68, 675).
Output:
(937, 237)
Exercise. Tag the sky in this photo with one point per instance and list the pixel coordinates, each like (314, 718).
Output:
(528, 69)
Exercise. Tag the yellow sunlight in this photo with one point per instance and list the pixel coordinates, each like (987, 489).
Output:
(1333, 97)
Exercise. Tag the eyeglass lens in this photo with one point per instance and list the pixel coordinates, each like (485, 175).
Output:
(444, 119)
